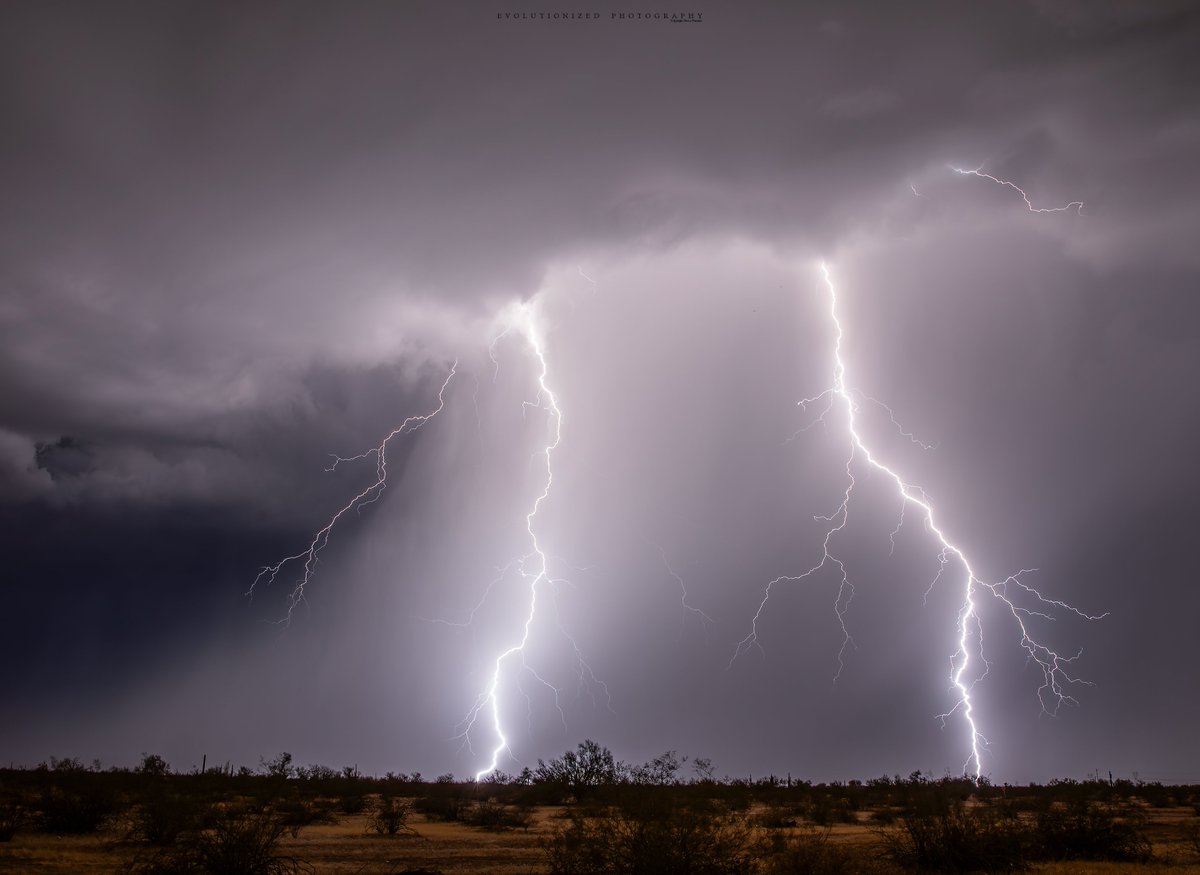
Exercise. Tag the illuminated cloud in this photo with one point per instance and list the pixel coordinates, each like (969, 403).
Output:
(239, 240)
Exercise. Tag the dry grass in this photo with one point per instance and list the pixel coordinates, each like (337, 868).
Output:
(350, 848)
(345, 847)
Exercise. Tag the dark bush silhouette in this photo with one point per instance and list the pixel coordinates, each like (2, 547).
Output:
(279, 767)
(580, 771)
(1088, 831)
(76, 811)
(154, 765)
(449, 807)
(162, 817)
(982, 838)
(239, 843)
(775, 817)
(297, 812)
(826, 810)
(811, 853)
(12, 817)
(658, 840)
(663, 769)
(1191, 832)
(389, 816)
(492, 814)
(958, 840)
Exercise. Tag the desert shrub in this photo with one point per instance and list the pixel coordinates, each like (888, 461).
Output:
(811, 853)
(279, 767)
(825, 810)
(670, 841)
(1156, 794)
(1089, 831)
(352, 803)
(296, 813)
(389, 816)
(1191, 832)
(162, 817)
(774, 817)
(962, 839)
(580, 848)
(66, 764)
(491, 814)
(662, 770)
(449, 807)
(12, 817)
(239, 843)
(75, 812)
(579, 772)
(316, 772)
(884, 815)
(957, 840)
(153, 765)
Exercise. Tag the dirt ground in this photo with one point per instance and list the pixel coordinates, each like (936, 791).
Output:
(348, 848)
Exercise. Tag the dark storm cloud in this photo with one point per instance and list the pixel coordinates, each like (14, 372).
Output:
(235, 238)
(213, 189)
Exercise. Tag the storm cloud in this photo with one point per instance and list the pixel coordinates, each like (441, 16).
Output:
(239, 238)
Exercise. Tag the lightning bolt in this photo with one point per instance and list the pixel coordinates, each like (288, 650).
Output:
(534, 566)
(968, 664)
(978, 171)
(686, 607)
(1014, 596)
(370, 495)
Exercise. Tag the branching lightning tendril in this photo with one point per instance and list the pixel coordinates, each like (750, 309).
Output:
(685, 605)
(968, 664)
(978, 171)
(370, 495)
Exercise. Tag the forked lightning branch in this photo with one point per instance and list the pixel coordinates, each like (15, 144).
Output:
(967, 665)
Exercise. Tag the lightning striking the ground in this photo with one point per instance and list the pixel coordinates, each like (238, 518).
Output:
(534, 565)
(369, 495)
(968, 665)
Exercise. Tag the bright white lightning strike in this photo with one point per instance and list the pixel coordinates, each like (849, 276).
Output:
(1019, 599)
(534, 566)
(367, 496)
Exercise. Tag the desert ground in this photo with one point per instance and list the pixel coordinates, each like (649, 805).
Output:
(350, 847)
(150, 821)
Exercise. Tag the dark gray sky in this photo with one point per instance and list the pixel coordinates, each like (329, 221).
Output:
(240, 237)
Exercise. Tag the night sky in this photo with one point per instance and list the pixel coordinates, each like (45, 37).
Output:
(238, 238)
